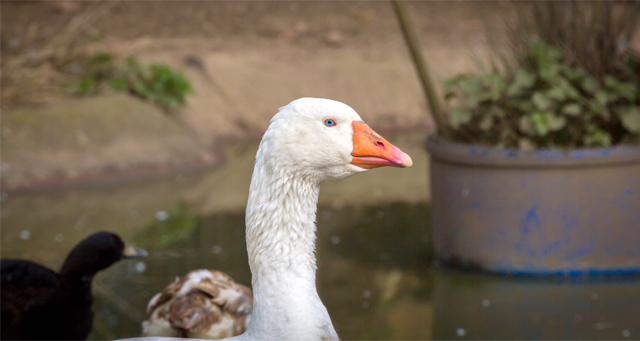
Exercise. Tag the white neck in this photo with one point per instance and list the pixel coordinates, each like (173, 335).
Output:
(281, 237)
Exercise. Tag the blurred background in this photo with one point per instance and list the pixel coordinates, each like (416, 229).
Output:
(143, 118)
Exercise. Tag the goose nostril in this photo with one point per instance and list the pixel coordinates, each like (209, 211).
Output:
(380, 144)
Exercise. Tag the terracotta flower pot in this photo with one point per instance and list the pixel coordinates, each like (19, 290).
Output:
(547, 212)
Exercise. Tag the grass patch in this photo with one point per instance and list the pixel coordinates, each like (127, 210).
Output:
(158, 83)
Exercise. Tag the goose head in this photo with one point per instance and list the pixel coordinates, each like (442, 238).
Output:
(324, 140)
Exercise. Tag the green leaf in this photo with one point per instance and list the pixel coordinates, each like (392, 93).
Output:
(119, 84)
(86, 86)
(471, 85)
(627, 90)
(526, 126)
(557, 93)
(540, 123)
(507, 133)
(572, 93)
(602, 97)
(459, 116)
(563, 90)
(541, 101)
(496, 81)
(496, 111)
(526, 144)
(523, 80)
(550, 72)
(597, 109)
(479, 97)
(100, 57)
(610, 82)
(630, 119)
(486, 123)
(572, 109)
(596, 136)
(590, 85)
(543, 54)
(448, 95)
(495, 85)
(453, 81)
(575, 74)
(523, 105)
(600, 102)
(555, 123)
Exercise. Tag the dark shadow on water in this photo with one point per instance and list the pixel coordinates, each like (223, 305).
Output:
(361, 290)
(396, 235)
(482, 306)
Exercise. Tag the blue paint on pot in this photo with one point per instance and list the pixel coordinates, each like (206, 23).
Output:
(570, 221)
(550, 154)
(577, 154)
(545, 212)
(550, 272)
(578, 253)
(550, 247)
(530, 219)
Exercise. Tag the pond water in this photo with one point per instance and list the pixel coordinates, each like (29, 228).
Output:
(375, 266)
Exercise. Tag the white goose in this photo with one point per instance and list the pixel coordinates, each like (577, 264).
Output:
(308, 142)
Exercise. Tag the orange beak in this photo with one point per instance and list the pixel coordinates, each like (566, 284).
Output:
(371, 150)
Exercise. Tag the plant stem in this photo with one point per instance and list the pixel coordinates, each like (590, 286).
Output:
(421, 66)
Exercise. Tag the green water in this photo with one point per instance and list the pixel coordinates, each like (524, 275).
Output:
(375, 266)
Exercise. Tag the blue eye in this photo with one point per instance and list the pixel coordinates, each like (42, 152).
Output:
(329, 122)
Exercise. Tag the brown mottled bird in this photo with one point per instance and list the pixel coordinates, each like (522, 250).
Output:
(205, 304)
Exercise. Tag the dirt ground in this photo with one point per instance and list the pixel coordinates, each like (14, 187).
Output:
(304, 24)
(244, 59)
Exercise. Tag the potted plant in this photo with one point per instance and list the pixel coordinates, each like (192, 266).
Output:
(537, 169)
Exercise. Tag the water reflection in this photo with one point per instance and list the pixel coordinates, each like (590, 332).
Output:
(44, 226)
(492, 307)
(366, 290)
